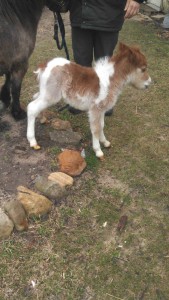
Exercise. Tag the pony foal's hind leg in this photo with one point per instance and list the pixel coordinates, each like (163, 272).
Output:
(33, 110)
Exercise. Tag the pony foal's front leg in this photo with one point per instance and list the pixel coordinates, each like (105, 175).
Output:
(102, 138)
(96, 145)
(95, 126)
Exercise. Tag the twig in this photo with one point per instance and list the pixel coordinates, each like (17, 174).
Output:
(141, 297)
(120, 258)
(114, 296)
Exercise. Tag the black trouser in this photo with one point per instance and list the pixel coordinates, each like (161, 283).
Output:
(88, 44)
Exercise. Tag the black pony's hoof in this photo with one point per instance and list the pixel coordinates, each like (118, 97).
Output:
(19, 114)
(4, 126)
(2, 107)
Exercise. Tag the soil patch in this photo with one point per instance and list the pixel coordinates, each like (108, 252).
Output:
(19, 164)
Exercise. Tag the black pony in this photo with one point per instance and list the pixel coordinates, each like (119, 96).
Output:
(18, 27)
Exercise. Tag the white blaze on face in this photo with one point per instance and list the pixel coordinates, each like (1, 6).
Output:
(139, 78)
(148, 82)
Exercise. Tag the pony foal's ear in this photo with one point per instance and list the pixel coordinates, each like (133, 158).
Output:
(127, 51)
(123, 47)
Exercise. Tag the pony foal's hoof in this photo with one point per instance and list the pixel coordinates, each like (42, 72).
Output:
(102, 158)
(2, 107)
(36, 147)
(107, 144)
(99, 154)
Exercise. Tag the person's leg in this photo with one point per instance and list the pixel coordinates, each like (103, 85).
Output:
(104, 45)
(82, 44)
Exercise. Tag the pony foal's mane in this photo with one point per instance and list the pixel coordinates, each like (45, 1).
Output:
(132, 53)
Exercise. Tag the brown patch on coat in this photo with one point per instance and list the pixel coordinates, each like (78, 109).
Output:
(86, 81)
(76, 78)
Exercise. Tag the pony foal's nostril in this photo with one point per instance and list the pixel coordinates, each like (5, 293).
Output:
(147, 84)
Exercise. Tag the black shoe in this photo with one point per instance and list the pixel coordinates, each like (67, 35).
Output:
(109, 113)
(74, 111)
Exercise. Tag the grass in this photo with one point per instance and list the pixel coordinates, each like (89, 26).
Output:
(77, 252)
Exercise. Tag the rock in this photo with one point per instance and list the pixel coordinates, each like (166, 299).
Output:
(17, 214)
(43, 120)
(66, 138)
(50, 188)
(158, 17)
(46, 116)
(61, 125)
(33, 203)
(61, 178)
(6, 225)
(20, 149)
(71, 162)
(141, 18)
(166, 21)
(164, 7)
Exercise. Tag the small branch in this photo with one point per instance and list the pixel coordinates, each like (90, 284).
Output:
(114, 296)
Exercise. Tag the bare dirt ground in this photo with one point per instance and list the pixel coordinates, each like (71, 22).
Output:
(19, 164)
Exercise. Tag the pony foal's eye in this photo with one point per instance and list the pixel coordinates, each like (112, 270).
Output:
(143, 69)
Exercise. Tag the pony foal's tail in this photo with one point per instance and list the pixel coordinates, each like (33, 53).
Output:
(40, 70)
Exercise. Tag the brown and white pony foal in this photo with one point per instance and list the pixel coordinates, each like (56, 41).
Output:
(95, 90)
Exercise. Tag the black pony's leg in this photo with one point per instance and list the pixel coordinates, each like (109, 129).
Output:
(16, 81)
(5, 95)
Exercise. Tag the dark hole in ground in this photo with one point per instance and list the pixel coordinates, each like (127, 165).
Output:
(4, 126)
